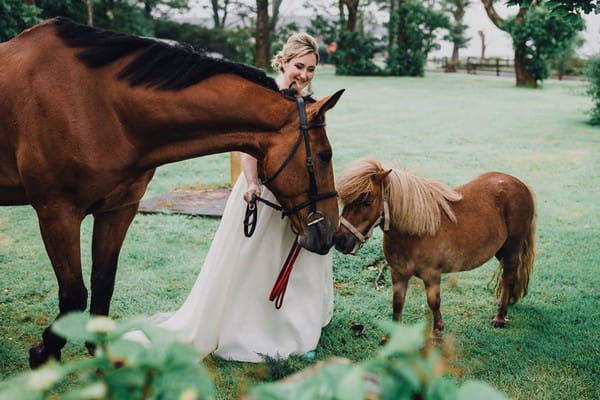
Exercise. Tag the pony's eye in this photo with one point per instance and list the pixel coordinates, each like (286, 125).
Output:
(325, 156)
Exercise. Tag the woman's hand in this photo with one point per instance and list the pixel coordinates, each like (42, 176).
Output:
(253, 189)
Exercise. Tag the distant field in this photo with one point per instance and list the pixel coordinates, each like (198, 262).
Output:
(450, 127)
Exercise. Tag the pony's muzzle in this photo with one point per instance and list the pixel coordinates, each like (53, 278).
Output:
(344, 242)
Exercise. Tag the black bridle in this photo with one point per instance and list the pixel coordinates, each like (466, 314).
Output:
(314, 196)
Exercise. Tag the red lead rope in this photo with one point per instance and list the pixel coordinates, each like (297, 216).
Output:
(280, 285)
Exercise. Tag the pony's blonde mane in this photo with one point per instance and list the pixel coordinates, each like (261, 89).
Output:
(414, 202)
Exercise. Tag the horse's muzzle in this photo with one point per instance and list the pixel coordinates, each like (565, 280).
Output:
(318, 238)
(344, 242)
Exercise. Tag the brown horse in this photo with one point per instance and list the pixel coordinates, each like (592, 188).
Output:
(87, 115)
(434, 229)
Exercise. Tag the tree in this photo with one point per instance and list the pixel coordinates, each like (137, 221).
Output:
(483, 44)
(537, 36)
(457, 35)
(351, 6)
(265, 27)
(415, 24)
(16, 16)
(563, 7)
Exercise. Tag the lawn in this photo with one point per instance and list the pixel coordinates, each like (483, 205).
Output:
(450, 127)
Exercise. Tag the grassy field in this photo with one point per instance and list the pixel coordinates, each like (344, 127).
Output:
(451, 127)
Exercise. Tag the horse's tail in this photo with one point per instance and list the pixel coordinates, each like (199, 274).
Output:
(526, 258)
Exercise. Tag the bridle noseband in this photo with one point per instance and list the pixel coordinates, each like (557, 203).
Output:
(314, 196)
(382, 220)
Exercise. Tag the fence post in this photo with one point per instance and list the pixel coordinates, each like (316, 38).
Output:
(497, 67)
(235, 166)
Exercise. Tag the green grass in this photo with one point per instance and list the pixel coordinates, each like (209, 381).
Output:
(451, 127)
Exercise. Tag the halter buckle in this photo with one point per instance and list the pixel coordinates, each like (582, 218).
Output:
(314, 218)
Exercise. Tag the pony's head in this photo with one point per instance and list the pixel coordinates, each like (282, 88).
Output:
(415, 204)
(360, 190)
(297, 167)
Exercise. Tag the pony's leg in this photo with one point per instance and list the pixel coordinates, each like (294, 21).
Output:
(399, 286)
(110, 229)
(432, 288)
(509, 265)
(60, 225)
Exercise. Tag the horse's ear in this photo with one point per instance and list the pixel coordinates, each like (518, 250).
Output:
(379, 177)
(328, 103)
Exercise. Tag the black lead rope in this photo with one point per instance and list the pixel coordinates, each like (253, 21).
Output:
(252, 213)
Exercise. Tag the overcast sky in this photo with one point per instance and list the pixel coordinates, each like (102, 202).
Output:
(497, 41)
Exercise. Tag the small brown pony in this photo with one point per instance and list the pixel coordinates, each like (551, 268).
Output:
(431, 229)
(87, 115)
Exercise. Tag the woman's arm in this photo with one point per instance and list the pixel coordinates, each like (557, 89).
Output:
(249, 167)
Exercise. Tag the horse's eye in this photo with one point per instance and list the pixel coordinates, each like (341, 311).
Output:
(325, 156)
(366, 203)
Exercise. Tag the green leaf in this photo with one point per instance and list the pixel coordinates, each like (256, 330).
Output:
(442, 388)
(72, 326)
(352, 385)
(476, 390)
(403, 339)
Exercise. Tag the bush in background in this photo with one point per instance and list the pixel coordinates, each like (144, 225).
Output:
(593, 73)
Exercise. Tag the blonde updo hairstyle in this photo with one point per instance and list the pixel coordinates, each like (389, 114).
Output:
(298, 45)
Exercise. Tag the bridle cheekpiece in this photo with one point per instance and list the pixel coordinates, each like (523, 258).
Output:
(314, 196)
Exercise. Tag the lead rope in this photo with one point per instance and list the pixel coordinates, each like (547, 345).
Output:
(280, 286)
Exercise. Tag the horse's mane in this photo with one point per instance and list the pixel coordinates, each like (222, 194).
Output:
(158, 64)
(414, 202)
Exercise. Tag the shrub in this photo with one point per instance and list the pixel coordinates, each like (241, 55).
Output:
(593, 73)
(167, 369)
(354, 55)
(121, 369)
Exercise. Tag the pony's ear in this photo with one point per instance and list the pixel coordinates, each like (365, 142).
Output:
(328, 103)
(380, 176)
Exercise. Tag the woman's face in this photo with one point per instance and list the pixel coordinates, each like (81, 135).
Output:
(299, 71)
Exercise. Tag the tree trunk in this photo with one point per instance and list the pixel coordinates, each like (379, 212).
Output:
(342, 13)
(524, 77)
(261, 57)
(90, 12)
(352, 7)
(451, 66)
(392, 27)
(483, 46)
(274, 15)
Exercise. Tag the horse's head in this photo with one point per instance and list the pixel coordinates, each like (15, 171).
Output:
(300, 173)
(361, 191)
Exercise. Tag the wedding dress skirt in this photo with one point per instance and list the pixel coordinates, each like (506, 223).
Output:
(228, 311)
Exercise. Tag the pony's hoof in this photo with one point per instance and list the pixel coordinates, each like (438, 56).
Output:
(436, 335)
(499, 323)
(38, 355)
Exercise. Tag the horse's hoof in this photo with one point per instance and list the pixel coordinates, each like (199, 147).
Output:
(91, 348)
(498, 323)
(38, 355)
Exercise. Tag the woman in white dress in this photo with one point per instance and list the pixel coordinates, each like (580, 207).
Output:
(228, 312)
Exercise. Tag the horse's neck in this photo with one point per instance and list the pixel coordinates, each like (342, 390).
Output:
(223, 113)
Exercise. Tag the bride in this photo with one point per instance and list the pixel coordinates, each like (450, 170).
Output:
(228, 312)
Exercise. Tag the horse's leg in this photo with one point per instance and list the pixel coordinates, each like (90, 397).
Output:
(509, 261)
(110, 229)
(432, 287)
(60, 225)
(399, 286)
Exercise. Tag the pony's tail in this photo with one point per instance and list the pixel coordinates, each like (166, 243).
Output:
(524, 264)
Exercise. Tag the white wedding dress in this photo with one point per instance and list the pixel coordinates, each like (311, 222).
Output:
(228, 312)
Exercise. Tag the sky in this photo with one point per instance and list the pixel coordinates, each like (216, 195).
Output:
(498, 42)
